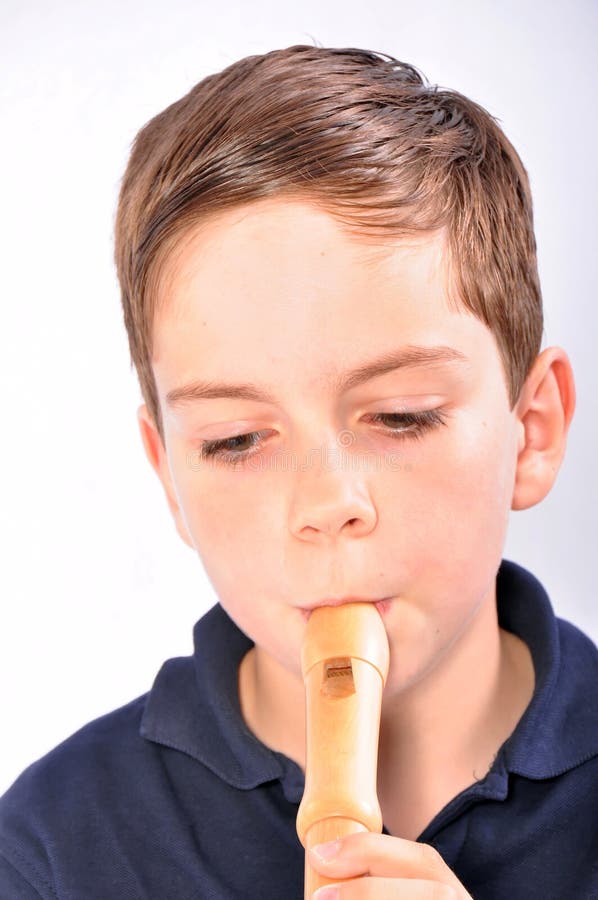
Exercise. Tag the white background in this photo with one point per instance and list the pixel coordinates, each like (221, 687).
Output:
(97, 589)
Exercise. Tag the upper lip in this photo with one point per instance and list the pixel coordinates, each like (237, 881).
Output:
(338, 601)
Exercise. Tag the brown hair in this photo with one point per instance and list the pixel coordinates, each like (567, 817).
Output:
(369, 140)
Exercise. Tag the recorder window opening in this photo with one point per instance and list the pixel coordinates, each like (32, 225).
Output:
(338, 678)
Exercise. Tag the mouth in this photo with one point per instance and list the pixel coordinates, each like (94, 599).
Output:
(382, 605)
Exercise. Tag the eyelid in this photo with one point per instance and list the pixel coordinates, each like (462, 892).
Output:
(408, 404)
(420, 422)
(226, 429)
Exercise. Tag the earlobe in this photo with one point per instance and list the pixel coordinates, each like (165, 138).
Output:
(156, 454)
(544, 411)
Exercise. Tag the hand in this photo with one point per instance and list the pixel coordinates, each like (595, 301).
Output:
(392, 867)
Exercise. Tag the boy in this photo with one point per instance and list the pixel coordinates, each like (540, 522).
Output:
(330, 289)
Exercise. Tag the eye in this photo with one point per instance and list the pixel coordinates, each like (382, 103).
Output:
(407, 426)
(412, 425)
(227, 450)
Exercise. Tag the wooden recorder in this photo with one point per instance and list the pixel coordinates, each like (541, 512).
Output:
(344, 660)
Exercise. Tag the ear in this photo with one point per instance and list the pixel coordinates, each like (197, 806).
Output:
(157, 455)
(544, 412)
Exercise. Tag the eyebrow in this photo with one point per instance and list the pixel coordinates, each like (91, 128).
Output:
(409, 356)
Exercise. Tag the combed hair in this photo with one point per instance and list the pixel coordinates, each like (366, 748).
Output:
(370, 141)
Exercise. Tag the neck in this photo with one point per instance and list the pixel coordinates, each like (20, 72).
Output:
(437, 735)
(442, 733)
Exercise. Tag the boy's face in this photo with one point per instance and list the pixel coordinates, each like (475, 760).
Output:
(329, 504)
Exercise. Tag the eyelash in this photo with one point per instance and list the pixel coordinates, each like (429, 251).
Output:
(415, 424)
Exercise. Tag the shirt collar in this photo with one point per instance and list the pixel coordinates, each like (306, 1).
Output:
(558, 730)
(193, 705)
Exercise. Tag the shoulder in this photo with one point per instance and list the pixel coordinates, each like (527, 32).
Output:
(578, 671)
(102, 747)
(76, 781)
(569, 718)
(574, 639)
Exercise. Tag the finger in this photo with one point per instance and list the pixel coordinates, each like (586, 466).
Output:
(387, 889)
(369, 853)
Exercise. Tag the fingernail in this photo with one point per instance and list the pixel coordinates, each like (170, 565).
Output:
(327, 893)
(325, 852)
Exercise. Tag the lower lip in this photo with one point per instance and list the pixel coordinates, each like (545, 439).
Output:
(381, 605)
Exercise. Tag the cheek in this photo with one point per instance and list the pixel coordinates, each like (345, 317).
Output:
(451, 508)
(477, 485)
(448, 518)
(484, 476)
(230, 519)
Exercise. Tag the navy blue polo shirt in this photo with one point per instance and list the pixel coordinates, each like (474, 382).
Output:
(171, 797)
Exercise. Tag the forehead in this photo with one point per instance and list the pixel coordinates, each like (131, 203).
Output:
(278, 225)
(282, 281)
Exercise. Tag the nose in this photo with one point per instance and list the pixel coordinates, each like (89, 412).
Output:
(331, 499)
